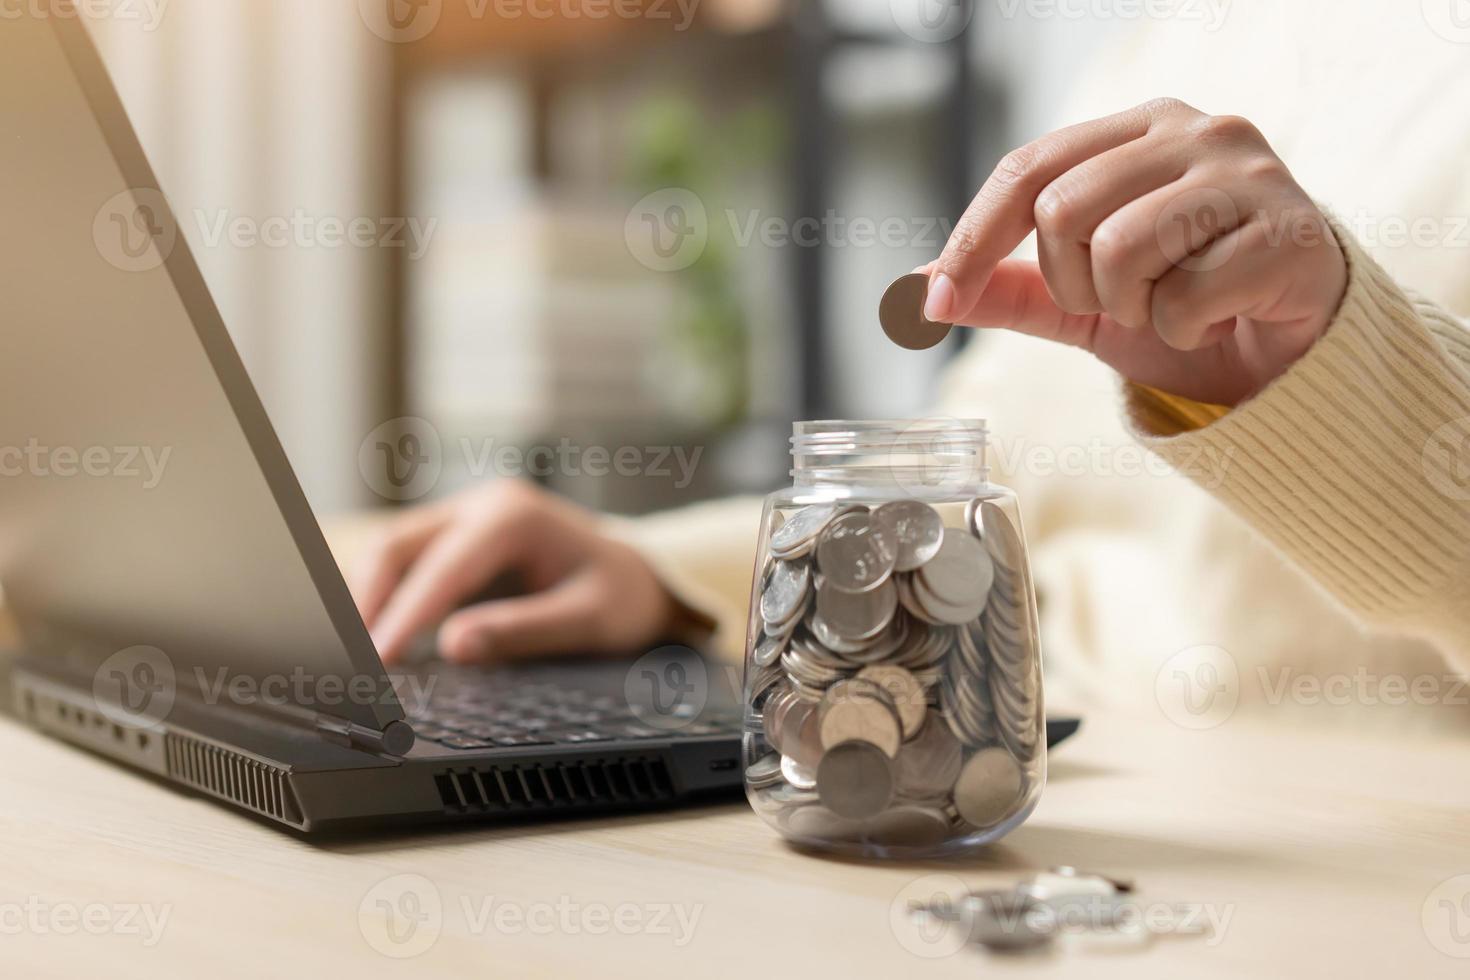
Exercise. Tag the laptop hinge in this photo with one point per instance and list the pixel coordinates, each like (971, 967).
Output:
(396, 738)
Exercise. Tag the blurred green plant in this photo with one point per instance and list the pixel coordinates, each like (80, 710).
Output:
(675, 143)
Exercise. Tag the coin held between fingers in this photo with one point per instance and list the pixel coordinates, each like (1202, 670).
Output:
(901, 313)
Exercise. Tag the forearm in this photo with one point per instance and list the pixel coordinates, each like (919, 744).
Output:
(1353, 463)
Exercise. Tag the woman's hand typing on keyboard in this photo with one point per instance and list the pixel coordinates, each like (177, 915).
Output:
(584, 591)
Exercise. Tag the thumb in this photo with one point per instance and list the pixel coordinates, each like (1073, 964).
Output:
(561, 619)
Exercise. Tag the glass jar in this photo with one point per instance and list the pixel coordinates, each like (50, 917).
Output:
(893, 702)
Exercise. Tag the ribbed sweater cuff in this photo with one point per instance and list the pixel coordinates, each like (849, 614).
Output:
(1356, 461)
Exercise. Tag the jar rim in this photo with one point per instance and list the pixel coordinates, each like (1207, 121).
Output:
(926, 453)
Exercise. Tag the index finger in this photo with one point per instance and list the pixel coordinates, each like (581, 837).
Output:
(1003, 212)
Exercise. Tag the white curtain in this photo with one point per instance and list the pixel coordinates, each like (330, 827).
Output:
(259, 111)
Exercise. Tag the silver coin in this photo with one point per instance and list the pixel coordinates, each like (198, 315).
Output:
(858, 615)
(928, 766)
(909, 826)
(797, 774)
(855, 780)
(1002, 539)
(833, 641)
(904, 691)
(852, 557)
(939, 610)
(912, 529)
(800, 531)
(901, 313)
(773, 715)
(765, 771)
(886, 645)
(799, 738)
(972, 518)
(989, 787)
(820, 823)
(904, 585)
(802, 668)
(786, 592)
(768, 650)
(859, 711)
(961, 573)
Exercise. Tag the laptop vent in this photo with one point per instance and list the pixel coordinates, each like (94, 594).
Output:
(231, 776)
(563, 785)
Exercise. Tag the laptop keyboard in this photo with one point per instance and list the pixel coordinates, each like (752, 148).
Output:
(481, 709)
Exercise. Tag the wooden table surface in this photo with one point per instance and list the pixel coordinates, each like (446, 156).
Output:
(1340, 852)
(1330, 852)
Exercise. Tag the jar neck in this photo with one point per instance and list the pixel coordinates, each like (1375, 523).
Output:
(929, 458)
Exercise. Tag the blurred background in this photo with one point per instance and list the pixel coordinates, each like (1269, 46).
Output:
(647, 226)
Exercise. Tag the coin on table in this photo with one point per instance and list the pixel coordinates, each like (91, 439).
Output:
(855, 780)
(904, 690)
(989, 787)
(786, 592)
(913, 529)
(858, 615)
(901, 312)
(797, 774)
(928, 766)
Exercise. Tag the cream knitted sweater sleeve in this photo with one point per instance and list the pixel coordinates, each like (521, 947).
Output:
(1356, 462)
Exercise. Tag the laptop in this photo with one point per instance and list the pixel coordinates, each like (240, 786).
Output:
(179, 610)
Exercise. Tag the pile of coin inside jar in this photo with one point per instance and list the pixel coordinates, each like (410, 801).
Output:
(893, 676)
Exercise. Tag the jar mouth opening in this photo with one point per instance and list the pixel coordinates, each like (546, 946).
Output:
(925, 452)
(842, 437)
